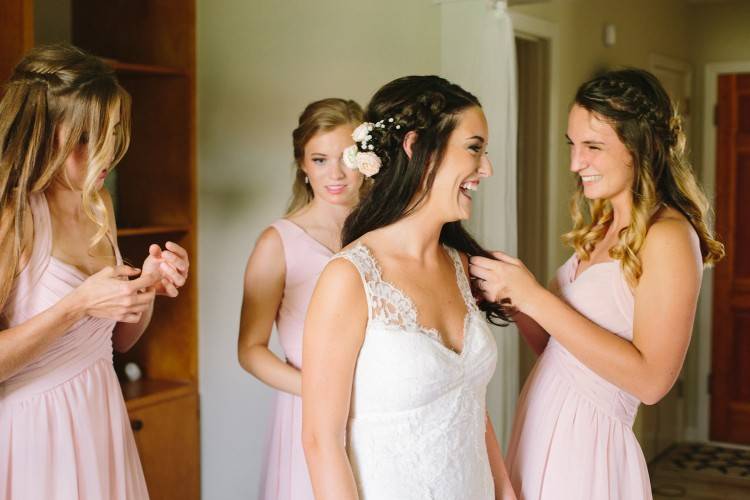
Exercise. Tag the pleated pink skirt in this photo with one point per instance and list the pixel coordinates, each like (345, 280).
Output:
(572, 436)
(285, 476)
(70, 440)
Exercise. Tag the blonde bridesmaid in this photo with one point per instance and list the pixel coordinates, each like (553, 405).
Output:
(281, 274)
(64, 293)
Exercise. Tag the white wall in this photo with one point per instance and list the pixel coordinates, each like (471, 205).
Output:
(259, 63)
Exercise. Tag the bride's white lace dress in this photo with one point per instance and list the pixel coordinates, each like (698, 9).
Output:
(417, 419)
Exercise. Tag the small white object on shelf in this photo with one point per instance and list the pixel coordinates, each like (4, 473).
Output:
(133, 372)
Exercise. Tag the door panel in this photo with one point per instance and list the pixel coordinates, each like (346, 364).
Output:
(167, 437)
(730, 385)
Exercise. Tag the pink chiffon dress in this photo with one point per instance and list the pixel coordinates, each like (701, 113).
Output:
(285, 475)
(64, 429)
(572, 436)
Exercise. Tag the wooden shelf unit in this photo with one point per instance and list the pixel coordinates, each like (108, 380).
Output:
(151, 46)
(124, 232)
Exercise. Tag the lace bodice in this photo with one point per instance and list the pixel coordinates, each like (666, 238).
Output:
(388, 306)
(417, 417)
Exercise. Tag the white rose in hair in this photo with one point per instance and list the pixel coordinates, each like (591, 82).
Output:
(360, 133)
(368, 163)
(350, 156)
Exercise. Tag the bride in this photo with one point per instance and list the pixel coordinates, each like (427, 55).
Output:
(396, 351)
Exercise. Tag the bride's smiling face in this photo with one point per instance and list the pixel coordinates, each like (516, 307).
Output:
(463, 166)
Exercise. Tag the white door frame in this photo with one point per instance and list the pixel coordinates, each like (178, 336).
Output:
(708, 179)
(528, 26)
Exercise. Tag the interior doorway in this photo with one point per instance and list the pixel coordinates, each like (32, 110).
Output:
(712, 377)
(730, 391)
(533, 65)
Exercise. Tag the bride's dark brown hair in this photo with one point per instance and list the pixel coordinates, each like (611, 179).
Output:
(429, 106)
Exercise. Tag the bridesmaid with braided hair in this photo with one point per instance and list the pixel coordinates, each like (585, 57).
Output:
(66, 299)
(396, 350)
(613, 329)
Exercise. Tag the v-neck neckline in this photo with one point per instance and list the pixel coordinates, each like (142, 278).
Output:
(431, 333)
(82, 274)
(309, 236)
(577, 276)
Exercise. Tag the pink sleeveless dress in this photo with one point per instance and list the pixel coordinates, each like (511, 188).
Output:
(572, 437)
(285, 476)
(64, 429)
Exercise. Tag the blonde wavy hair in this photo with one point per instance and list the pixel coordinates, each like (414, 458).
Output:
(636, 105)
(319, 116)
(57, 99)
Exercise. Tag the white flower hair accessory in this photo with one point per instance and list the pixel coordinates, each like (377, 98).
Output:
(360, 133)
(361, 155)
(368, 163)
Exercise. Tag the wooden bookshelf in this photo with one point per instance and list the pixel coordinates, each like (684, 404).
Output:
(124, 232)
(147, 392)
(151, 46)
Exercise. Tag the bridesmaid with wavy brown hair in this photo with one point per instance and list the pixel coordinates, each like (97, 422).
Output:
(613, 330)
(281, 274)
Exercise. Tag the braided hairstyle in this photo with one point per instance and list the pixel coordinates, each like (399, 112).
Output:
(429, 106)
(636, 105)
(55, 89)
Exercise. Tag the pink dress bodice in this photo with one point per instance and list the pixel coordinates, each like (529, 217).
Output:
(572, 435)
(41, 284)
(64, 429)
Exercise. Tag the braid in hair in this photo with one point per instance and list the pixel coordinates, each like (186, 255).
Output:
(428, 106)
(648, 124)
(52, 86)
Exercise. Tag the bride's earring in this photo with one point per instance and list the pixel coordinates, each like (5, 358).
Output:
(307, 180)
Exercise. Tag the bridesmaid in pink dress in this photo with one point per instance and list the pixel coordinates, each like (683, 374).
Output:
(281, 274)
(65, 297)
(615, 325)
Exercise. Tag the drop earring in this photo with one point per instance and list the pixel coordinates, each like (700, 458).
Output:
(307, 180)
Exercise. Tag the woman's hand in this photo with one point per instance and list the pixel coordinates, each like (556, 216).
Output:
(171, 265)
(110, 294)
(505, 279)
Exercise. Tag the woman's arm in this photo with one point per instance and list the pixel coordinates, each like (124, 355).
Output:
(665, 303)
(264, 288)
(170, 266)
(503, 488)
(125, 335)
(334, 333)
(534, 335)
(106, 294)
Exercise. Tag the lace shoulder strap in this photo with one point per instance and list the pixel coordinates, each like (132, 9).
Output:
(386, 304)
(462, 280)
(360, 256)
(367, 268)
